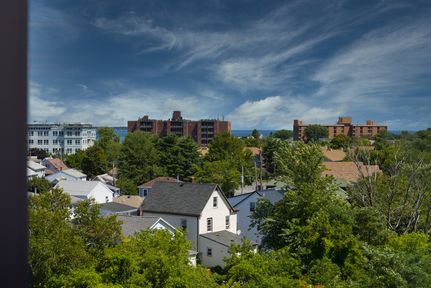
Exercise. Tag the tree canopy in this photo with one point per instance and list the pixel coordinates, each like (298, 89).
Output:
(315, 132)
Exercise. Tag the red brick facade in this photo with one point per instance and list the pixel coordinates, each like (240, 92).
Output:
(202, 131)
(343, 126)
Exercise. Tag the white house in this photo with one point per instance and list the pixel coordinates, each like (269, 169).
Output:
(215, 246)
(246, 204)
(197, 208)
(68, 174)
(86, 190)
(133, 224)
(36, 168)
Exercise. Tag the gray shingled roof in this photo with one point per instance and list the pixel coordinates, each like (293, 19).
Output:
(133, 224)
(117, 207)
(224, 237)
(178, 198)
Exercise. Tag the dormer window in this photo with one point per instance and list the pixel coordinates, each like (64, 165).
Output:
(214, 202)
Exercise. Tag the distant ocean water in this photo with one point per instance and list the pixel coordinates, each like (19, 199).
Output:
(122, 132)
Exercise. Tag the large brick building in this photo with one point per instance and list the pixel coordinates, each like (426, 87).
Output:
(344, 126)
(202, 131)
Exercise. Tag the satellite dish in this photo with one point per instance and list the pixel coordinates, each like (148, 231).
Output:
(238, 232)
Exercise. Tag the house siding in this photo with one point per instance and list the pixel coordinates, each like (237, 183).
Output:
(175, 220)
(218, 215)
(219, 252)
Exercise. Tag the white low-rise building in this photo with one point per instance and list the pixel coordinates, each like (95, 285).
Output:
(36, 169)
(245, 204)
(95, 190)
(64, 138)
(68, 174)
(200, 209)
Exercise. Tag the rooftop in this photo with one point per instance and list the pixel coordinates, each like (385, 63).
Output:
(151, 183)
(178, 198)
(349, 170)
(134, 224)
(224, 237)
(78, 188)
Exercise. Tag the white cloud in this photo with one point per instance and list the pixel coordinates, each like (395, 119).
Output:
(116, 110)
(278, 112)
(40, 107)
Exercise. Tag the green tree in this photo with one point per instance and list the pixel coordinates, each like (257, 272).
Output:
(178, 156)
(127, 187)
(97, 232)
(311, 220)
(106, 135)
(139, 159)
(54, 248)
(39, 153)
(229, 149)
(340, 141)
(221, 172)
(282, 134)
(75, 160)
(269, 148)
(315, 132)
(94, 162)
(152, 259)
(255, 134)
(39, 185)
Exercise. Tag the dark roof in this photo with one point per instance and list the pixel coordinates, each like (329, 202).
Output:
(133, 224)
(225, 238)
(151, 183)
(178, 198)
(116, 207)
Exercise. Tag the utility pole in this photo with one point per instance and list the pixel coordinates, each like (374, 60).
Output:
(260, 160)
(255, 175)
(242, 179)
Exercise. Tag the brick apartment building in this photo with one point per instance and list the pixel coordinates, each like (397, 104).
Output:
(202, 131)
(344, 126)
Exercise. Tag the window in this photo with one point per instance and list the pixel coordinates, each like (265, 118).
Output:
(55, 142)
(39, 133)
(30, 141)
(69, 133)
(77, 133)
(214, 202)
(54, 133)
(227, 222)
(45, 142)
(69, 142)
(30, 133)
(77, 142)
(45, 133)
(69, 150)
(184, 224)
(106, 199)
(61, 133)
(209, 252)
(39, 142)
(252, 206)
(209, 224)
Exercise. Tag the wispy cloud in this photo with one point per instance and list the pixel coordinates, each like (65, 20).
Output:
(381, 69)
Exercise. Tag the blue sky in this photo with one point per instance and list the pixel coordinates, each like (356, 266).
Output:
(259, 64)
